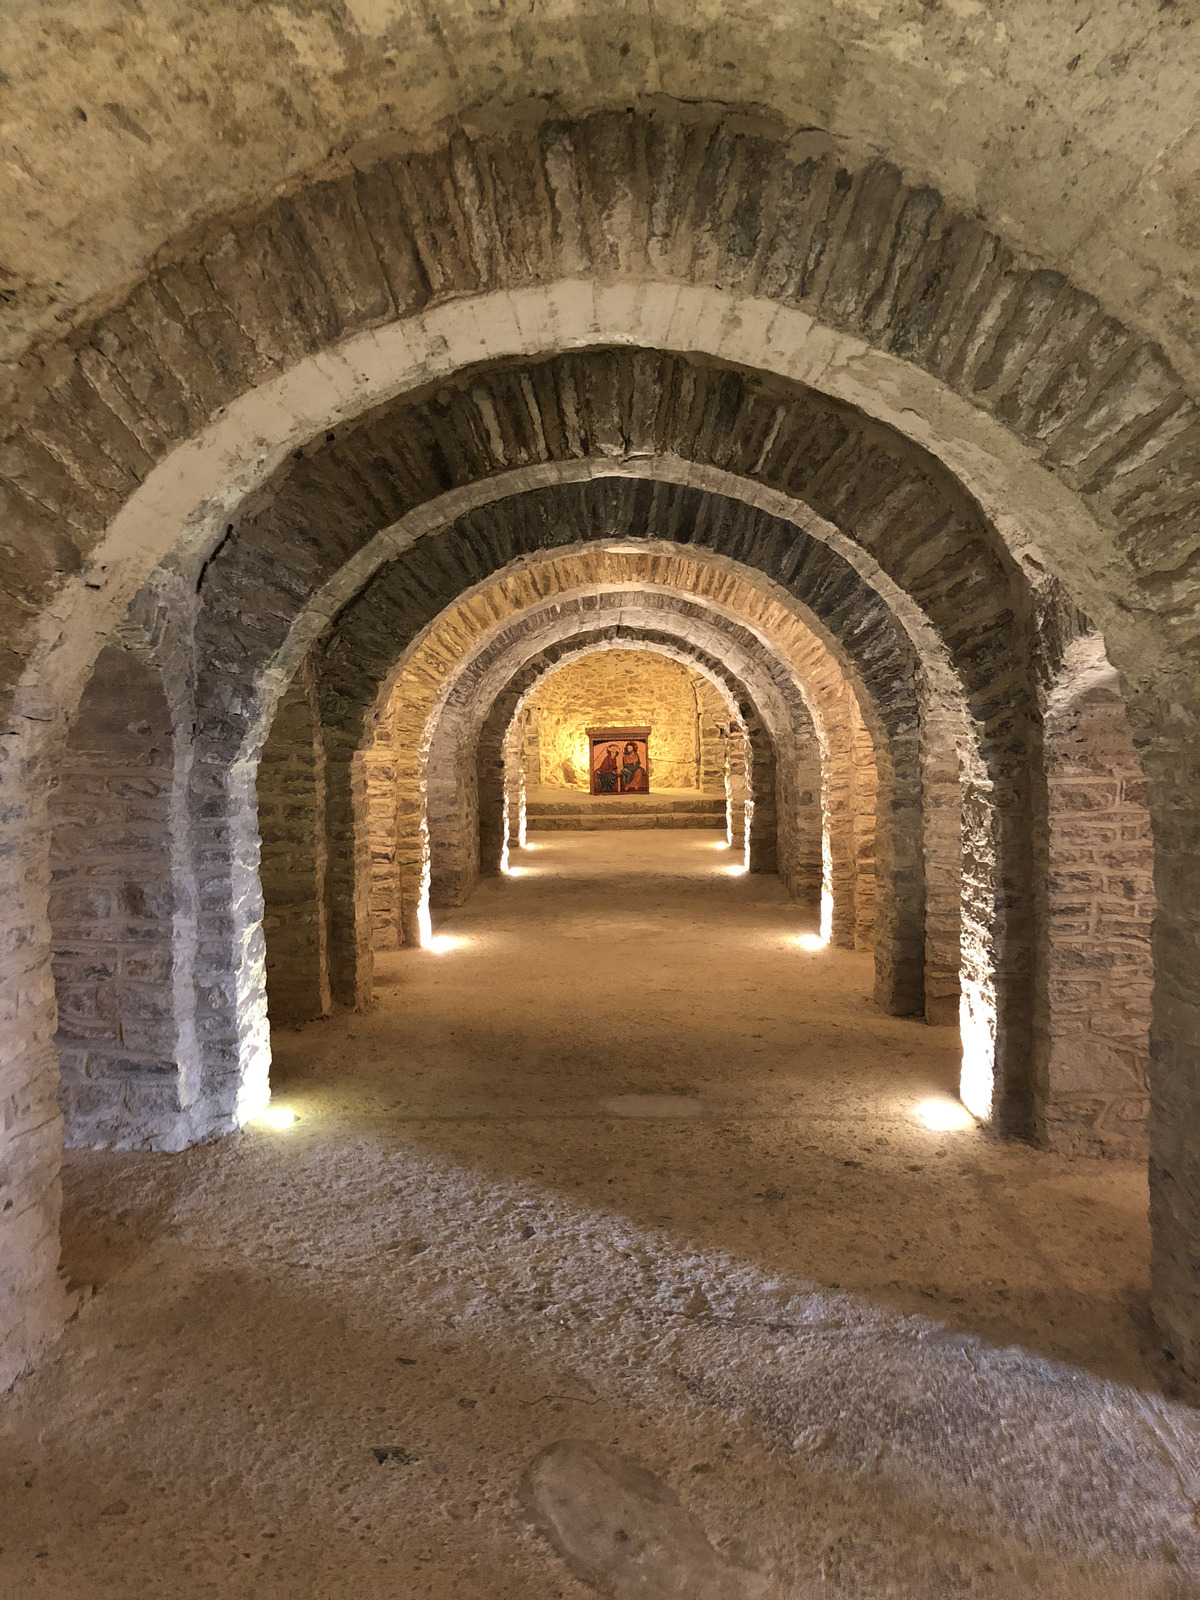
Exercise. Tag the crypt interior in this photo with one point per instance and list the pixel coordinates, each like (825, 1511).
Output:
(600, 800)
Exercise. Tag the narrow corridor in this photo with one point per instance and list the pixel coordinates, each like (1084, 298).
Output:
(618, 1176)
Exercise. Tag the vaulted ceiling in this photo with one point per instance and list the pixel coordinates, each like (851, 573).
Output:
(1069, 128)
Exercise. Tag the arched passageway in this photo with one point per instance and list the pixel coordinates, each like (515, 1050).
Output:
(626, 1155)
(320, 480)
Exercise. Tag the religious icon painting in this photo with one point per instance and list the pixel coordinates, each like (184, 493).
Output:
(620, 760)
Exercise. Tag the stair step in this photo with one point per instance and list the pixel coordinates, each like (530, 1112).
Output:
(560, 810)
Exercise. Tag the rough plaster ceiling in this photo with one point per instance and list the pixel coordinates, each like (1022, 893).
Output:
(1071, 127)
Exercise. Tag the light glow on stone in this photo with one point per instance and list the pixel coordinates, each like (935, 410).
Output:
(977, 1029)
(442, 943)
(811, 941)
(945, 1116)
(826, 916)
(254, 1093)
(278, 1118)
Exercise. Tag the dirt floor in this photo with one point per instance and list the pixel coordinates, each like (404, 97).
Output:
(610, 1253)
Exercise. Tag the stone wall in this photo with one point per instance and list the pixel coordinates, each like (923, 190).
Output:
(944, 748)
(112, 908)
(379, 760)
(637, 688)
(292, 862)
(866, 792)
(1094, 1027)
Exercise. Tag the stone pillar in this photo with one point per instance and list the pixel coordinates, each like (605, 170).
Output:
(899, 898)
(1092, 1026)
(837, 804)
(32, 1293)
(998, 929)
(866, 788)
(944, 742)
(515, 783)
(799, 800)
(495, 756)
(379, 765)
(119, 906)
(762, 852)
(292, 863)
(736, 790)
(452, 802)
(348, 873)
(714, 716)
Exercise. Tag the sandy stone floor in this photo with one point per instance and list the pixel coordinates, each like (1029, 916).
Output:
(608, 1254)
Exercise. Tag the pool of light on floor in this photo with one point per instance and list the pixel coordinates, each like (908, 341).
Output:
(277, 1118)
(945, 1116)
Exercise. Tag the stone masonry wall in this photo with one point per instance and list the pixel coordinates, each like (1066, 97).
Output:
(1100, 904)
(111, 905)
(379, 760)
(619, 687)
(866, 788)
(291, 820)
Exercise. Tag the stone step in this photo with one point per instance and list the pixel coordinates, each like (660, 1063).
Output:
(561, 810)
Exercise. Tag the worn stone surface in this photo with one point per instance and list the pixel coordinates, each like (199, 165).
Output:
(1101, 904)
(112, 909)
(293, 855)
(623, 1532)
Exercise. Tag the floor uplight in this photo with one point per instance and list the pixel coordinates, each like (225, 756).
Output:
(738, 868)
(442, 943)
(278, 1118)
(945, 1116)
(811, 941)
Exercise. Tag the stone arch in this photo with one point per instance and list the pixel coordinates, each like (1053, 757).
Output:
(376, 625)
(467, 716)
(764, 845)
(990, 615)
(448, 729)
(677, 625)
(717, 643)
(715, 761)
(630, 197)
(1100, 406)
(243, 1067)
(765, 814)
